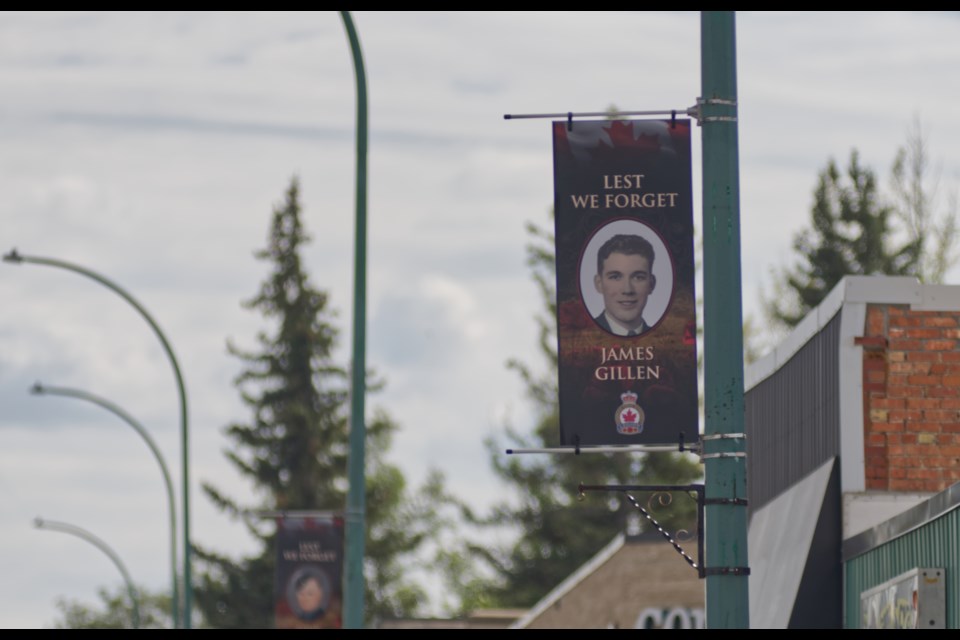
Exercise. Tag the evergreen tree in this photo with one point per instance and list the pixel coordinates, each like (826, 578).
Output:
(850, 234)
(557, 532)
(294, 449)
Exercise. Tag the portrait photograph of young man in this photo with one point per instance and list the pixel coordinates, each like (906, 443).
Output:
(620, 286)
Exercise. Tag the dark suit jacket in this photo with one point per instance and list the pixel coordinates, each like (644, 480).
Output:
(602, 321)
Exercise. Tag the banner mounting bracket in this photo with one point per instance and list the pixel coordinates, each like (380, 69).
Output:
(693, 112)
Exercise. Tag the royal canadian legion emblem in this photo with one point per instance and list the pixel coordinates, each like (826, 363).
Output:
(629, 416)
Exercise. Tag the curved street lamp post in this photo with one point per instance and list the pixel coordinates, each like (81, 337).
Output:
(40, 389)
(356, 497)
(83, 534)
(17, 258)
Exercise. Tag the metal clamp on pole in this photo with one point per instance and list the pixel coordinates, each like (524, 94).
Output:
(724, 454)
(726, 571)
(723, 436)
(720, 102)
(742, 502)
(719, 437)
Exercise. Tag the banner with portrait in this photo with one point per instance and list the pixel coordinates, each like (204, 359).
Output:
(308, 588)
(626, 305)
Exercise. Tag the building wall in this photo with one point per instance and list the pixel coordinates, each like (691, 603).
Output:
(872, 376)
(911, 372)
(926, 536)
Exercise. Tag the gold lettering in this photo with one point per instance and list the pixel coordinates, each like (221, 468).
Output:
(590, 201)
(622, 181)
(624, 372)
(629, 200)
(621, 353)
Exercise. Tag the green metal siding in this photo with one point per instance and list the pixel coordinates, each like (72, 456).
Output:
(934, 544)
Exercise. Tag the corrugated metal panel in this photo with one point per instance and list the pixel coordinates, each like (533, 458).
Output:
(935, 544)
(792, 418)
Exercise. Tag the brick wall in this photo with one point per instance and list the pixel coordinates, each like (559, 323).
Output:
(911, 395)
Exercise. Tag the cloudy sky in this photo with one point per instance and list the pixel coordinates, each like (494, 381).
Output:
(151, 147)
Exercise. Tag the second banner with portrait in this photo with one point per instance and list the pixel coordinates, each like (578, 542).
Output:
(626, 305)
(309, 573)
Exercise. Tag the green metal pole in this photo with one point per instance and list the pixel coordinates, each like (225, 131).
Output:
(83, 534)
(356, 497)
(39, 389)
(17, 258)
(724, 450)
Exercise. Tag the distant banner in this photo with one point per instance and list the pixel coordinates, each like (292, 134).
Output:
(626, 306)
(308, 591)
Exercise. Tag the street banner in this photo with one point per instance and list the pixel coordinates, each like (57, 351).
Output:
(626, 305)
(308, 589)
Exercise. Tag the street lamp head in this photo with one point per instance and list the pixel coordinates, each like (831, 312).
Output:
(37, 388)
(13, 256)
(38, 522)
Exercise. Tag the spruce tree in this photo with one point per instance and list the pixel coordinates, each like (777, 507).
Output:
(294, 449)
(850, 234)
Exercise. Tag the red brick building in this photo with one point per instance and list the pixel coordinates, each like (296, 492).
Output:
(853, 419)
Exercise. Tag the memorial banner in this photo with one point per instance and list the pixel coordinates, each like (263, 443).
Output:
(308, 591)
(626, 305)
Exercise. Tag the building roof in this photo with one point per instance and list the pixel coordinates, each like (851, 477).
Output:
(629, 576)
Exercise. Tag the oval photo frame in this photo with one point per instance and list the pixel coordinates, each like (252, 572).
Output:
(297, 582)
(658, 301)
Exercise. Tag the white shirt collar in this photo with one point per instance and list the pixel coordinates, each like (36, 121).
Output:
(617, 328)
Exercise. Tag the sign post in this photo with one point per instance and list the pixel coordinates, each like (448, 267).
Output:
(724, 442)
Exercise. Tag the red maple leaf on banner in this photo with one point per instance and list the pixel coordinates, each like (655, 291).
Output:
(621, 133)
(622, 138)
(629, 415)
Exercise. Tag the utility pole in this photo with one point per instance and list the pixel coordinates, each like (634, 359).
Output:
(724, 440)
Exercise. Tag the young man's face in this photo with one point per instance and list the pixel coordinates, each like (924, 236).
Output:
(625, 283)
(310, 596)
